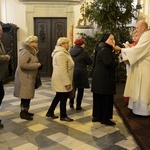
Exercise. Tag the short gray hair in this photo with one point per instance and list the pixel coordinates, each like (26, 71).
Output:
(31, 39)
(62, 40)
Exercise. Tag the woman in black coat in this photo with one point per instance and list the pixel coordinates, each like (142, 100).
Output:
(103, 80)
(80, 77)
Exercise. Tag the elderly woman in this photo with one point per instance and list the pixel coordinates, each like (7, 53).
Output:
(25, 75)
(62, 77)
(103, 80)
(80, 78)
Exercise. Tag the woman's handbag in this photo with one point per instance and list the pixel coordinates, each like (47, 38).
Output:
(38, 81)
(72, 93)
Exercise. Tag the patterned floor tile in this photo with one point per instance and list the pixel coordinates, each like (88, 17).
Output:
(4, 137)
(37, 127)
(44, 133)
(27, 146)
(6, 113)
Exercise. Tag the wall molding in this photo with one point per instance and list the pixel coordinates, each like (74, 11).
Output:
(33, 11)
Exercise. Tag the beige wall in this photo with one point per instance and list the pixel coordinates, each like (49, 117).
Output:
(13, 11)
(145, 11)
(23, 15)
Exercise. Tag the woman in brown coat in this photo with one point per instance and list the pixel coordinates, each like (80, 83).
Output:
(24, 84)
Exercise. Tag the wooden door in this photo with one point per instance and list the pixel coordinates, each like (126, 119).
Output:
(48, 31)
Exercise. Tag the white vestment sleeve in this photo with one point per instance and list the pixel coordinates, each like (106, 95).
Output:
(139, 51)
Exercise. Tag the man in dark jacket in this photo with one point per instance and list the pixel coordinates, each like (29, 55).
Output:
(4, 59)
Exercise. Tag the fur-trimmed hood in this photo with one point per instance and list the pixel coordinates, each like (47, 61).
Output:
(31, 49)
(59, 49)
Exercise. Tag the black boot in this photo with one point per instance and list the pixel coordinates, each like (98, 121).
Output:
(108, 122)
(30, 114)
(25, 115)
(1, 125)
(71, 105)
(78, 108)
(52, 115)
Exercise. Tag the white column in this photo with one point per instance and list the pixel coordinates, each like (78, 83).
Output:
(3, 11)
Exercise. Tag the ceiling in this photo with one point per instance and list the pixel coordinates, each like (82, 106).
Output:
(53, 1)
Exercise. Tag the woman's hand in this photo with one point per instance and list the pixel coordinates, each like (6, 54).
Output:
(39, 64)
(120, 56)
(8, 57)
(127, 45)
(117, 48)
(127, 62)
(68, 87)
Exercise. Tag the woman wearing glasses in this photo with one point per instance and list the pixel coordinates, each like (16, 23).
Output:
(25, 75)
(103, 80)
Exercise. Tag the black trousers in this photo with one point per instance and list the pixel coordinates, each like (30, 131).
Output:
(103, 107)
(80, 92)
(2, 92)
(62, 98)
(25, 103)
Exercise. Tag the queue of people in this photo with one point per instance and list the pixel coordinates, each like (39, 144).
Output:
(70, 71)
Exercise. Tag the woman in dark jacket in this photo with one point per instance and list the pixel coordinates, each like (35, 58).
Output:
(80, 77)
(103, 80)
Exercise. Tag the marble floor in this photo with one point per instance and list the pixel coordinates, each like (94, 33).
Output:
(47, 134)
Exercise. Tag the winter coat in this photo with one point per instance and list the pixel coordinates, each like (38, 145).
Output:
(24, 84)
(3, 62)
(63, 67)
(103, 78)
(81, 60)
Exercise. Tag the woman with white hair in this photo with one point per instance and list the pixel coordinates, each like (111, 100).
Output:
(25, 75)
(62, 77)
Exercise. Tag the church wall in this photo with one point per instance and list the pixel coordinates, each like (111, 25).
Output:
(145, 11)
(23, 15)
(13, 11)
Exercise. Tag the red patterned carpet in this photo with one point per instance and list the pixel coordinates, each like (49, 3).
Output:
(138, 126)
